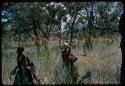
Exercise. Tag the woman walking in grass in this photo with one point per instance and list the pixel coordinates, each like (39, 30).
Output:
(24, 70)
(69, 68)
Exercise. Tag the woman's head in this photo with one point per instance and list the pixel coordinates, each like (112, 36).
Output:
(20, 49)
(66, 45)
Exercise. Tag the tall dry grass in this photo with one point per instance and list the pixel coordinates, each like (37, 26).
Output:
(103, 61)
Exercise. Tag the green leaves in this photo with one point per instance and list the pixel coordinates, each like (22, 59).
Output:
(49, 16)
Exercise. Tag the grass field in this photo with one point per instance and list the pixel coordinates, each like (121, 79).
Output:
(103, 61)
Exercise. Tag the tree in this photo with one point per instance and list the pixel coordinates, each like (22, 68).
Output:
(73, 10)
(61, 17)
(122, 45)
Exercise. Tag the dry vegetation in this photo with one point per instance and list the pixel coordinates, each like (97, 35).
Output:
(103, 61)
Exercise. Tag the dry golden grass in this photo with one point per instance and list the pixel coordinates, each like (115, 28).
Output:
(103, 61)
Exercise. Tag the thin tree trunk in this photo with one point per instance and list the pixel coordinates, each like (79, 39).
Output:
(67, 36)
(71, 29)
(36, 37)
(37, 42)
(19, 41)
(60, 35)
(122, 45)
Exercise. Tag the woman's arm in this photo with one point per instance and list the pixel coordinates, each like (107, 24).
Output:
(72, 57)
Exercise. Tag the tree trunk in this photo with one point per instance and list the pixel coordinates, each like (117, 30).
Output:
(37, 42)
(122, 45)
(71, 36)
(36, 37)
(67, 36)
(19, 41)
(60, 35)
(90, 27)
(71, 29)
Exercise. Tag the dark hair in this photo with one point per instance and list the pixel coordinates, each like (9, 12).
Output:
(20, 49)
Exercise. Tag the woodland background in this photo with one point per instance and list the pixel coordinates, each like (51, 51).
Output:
(91, 28)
